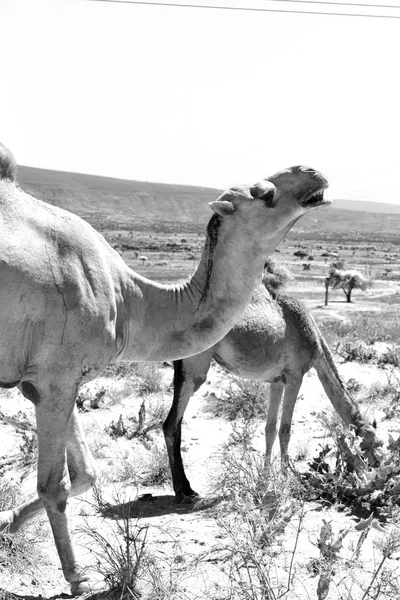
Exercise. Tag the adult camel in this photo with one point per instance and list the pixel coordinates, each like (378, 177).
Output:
(70, 306)
(277, 341)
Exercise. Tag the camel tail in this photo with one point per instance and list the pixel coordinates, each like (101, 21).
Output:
(8, 166)
(335, 388)
(344, 405)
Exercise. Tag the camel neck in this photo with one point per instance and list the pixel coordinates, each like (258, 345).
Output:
(167, 322)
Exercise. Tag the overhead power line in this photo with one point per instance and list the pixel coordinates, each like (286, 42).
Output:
(362, 5)
(272, 10)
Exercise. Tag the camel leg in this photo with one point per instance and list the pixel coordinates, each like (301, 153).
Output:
(189, 375)
(292, 388)
(81, 473)
(276, 392)
(57, 430)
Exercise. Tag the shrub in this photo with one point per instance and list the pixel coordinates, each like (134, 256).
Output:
(155, 468)
(88, 399)
(244, 398)
(119, 551)
(27, 456)
(150, 379)
(388, 394)
(340, 475)
(390, 357)
(149, 418)
(358, 351)
(258, 508)
(365, 327)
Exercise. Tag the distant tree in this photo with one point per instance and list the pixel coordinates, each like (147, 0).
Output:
(306, 266)
(345, 280)
(300, 253)
(325, 255)
(338, 265)
(143, 259)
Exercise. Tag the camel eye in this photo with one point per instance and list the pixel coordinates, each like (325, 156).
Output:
(268, 198)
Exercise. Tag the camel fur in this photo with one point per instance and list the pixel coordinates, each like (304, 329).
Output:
(70, 306)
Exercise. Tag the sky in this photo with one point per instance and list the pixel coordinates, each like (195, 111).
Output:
(203, 97)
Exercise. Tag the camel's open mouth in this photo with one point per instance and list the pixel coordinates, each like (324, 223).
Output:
(315, 199)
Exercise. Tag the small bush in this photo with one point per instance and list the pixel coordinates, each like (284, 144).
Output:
(155, 468)
(18, 551)
(127, 369)
(353, 386)
(388, 395)
(149, 418)
(364, 327)
(119, 551)
(90, 399)
(258, 508)
(390, 357)
(150, 379)
(357, 351)
(244, 398)
(340, 475)
(28, 452)
(120, 369)
(9, 494)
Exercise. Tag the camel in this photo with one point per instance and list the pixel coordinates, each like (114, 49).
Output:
(278, 341)
(70, 306)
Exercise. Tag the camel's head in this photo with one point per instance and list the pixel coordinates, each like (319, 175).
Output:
(269, 208)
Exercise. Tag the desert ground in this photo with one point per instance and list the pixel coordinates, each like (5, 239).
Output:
(287, 534)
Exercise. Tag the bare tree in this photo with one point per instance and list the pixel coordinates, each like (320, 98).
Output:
(346, 281)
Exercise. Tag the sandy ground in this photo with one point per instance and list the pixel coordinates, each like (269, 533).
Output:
(178, 532)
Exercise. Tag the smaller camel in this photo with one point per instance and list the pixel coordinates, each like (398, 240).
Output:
(277, 341)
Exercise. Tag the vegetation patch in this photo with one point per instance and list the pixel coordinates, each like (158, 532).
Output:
(340, 475)
(388, 395)
(243, 399)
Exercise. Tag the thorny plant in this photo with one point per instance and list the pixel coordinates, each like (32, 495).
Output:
(340, 474)
(339, 568)
(149, 418)
(19, 552)
(259, 506)
(388, 394)
(122, 557)
(118, 549)
(88, 399)
(27, 455)
(260, 509)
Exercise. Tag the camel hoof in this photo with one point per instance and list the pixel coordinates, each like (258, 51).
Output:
(190, 499)
(78, 588)
(84, 585)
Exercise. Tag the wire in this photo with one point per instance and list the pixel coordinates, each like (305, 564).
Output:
(362, 5)
(254, 9)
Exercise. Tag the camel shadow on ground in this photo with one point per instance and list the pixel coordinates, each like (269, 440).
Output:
(13, 596)
(145, 506)
(149, 505)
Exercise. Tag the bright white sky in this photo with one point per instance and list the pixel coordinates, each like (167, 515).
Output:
(204, 97)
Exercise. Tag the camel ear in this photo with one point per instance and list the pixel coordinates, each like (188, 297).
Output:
(224, 208)
(264, 190)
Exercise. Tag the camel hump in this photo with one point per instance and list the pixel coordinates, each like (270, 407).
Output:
(8, 166)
